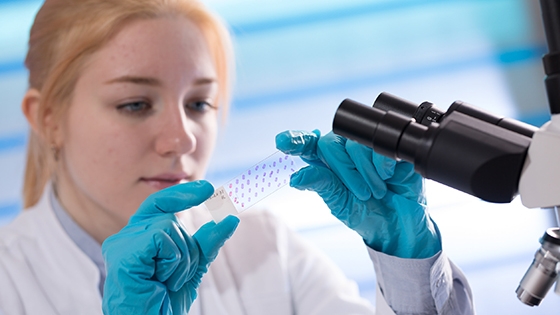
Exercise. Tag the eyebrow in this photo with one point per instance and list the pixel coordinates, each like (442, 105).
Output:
(153, 81)
(135, 80)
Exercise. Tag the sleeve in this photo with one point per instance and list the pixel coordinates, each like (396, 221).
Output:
(422, 286)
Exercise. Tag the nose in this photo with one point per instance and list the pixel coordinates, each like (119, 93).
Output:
(176, 136)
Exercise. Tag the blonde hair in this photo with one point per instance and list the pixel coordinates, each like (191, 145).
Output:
(66, 32)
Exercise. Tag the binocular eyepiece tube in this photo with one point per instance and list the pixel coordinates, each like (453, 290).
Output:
(465, 148)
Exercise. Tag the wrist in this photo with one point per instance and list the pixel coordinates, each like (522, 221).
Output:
(426, 243)
(419, 245)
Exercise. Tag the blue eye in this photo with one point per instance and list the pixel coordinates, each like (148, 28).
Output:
(199, 106)
(138, 107)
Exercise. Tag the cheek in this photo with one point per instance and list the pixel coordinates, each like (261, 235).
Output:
(100, 146)
(102, 157)
(206, 142)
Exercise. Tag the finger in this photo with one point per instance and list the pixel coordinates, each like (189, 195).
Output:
(363, 217)
(212, 236)
(182, 300)
(385, 166)
(168, 256)
(362, 159)
(407, 182)
(299, 143)
(124, 296)
(338, 198)
(174, 199)
(325, 183)
(332, 150)
(136, 259)
(130, 274)
(177, 254)
(188, 266)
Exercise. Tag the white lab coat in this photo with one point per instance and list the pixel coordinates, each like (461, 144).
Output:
(264, 268)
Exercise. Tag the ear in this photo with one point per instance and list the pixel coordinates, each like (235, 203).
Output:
(30, 106)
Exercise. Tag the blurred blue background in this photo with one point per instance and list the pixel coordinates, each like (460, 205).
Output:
(297, 60)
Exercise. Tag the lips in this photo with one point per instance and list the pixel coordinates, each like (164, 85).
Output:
(164, 180)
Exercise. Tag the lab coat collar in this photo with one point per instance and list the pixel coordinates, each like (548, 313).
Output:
(66, 274)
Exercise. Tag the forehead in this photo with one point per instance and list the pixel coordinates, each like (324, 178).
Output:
(170, 48)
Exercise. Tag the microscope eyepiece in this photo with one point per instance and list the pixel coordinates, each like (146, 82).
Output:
(425, 113)
(464, 148)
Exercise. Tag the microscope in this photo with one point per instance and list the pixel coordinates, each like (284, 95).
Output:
(487, 156)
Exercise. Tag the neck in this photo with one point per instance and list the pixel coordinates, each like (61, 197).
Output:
(90, 216)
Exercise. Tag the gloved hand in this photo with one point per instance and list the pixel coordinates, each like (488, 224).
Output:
(153, 265)
(378, 197)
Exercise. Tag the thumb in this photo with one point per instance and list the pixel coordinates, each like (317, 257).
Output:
(174, 199)
(299, 143)
(212, 236)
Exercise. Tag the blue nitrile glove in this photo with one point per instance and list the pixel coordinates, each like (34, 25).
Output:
(153, 265)
(378, 197)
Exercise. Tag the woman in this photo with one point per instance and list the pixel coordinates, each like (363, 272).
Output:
(123, 105)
